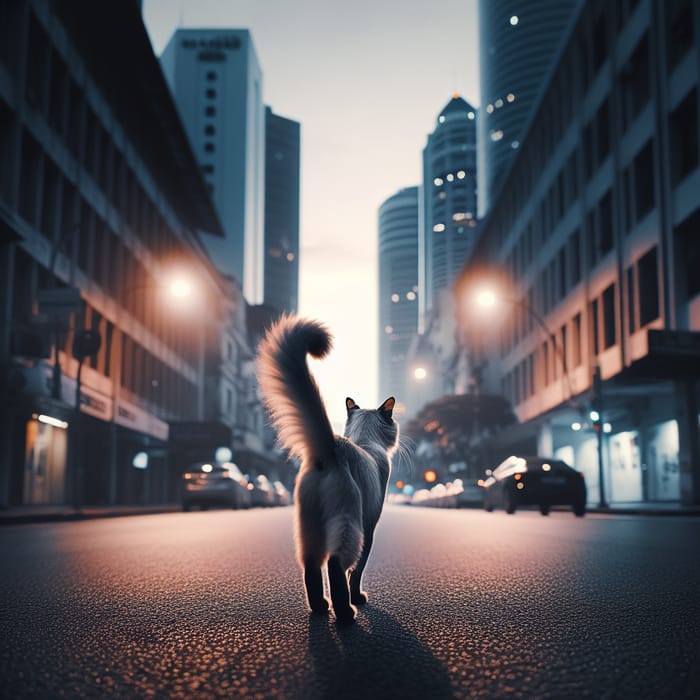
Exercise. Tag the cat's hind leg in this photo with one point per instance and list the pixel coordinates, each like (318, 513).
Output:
(313, 581)
(358, 596)
(340, 591)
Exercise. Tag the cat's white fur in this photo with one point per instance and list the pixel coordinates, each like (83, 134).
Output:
(341, 485)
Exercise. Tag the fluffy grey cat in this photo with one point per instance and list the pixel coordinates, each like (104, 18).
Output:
(341, 485)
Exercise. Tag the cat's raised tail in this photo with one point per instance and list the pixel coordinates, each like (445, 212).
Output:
(291, 393)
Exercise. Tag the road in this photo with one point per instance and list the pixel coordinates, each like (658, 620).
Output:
(462, 604)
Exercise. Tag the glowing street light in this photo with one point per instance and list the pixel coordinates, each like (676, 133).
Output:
(420, 373)
(180, 288)
(486, 298)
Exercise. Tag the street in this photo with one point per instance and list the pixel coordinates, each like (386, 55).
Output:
(462, 604)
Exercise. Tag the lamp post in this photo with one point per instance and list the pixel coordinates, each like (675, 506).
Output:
(487, 298)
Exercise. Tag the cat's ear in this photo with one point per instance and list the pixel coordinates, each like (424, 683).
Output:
(351, 405)
(387, 407)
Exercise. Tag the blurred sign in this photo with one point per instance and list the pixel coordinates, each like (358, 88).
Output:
(59, 302)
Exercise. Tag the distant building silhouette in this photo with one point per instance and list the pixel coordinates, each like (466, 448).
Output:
(216, 80)
(398, 289)
(448, 216)
(517, 43)
(282, 173)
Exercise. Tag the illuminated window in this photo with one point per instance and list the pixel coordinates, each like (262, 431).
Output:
(510, 97)
(395, 298)
(450, 177)
(411, 296)
(496, 134)
(461, 175)
(470, 115)
(438, 181)
(439, 228)
(489, 108)
(514, 20)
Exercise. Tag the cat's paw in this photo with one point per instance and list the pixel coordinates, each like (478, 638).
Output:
(358, 598)
(319, 607)
(345, 616)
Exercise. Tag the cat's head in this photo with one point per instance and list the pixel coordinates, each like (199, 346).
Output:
(372, 426)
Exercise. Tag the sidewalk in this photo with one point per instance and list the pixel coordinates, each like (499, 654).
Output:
(44, 514)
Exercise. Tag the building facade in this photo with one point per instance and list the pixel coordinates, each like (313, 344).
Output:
(282, 189)
(517, 43)
(448, 201)
(398, 289)
(594, 243)
(101, 202)
(216, 80)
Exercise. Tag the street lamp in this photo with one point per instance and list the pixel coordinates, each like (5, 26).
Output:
(420, 373)
(486, 298)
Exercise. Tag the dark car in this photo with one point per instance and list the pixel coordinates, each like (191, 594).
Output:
(536, 481)
(207, 484)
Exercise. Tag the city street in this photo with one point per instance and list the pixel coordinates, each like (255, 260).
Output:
(462, 604)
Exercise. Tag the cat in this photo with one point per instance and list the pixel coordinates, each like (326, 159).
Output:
(341, 486)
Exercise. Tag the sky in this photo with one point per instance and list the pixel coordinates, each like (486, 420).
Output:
(366, 80)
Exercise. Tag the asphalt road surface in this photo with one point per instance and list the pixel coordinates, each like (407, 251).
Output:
(462, 604)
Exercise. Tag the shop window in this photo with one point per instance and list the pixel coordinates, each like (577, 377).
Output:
(683, 133)
(609, 326)
(648, 287)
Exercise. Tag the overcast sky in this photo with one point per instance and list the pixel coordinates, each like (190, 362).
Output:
(366, 80)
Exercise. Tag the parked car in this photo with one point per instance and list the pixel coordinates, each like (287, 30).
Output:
(261, 491)
(535, 481)
(282, 495)
(207, 484)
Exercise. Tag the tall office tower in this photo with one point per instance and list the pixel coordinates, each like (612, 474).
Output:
(282, 168)
(398, 286)
(448, 219)
(519, 42)
(215, 78)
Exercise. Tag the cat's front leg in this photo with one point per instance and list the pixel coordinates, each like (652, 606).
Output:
(313, 581)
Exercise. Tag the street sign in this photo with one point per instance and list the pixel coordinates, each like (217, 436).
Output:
(59, 302)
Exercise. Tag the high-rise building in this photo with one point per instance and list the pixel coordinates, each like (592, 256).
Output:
(216, 80)
(448, 218)
(518, 42)
(593, 247)
(282, 170)
(398, 287)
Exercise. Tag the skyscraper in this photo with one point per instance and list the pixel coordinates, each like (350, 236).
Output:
(216, 80)
(282, 163)
(519, 42)
(398, 286)
(448, 218)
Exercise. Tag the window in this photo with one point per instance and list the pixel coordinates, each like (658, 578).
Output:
(687, 240)
(683, 132)
(211, 75)
(210, 93)
(576, 354)
(575, 257)
(634, 82)
(679, 30)
(639, 186)
(210, 111)
(631, 296)
(209, 130)
(609, 334)
(209, 147)
(648, 287)
(594, 326)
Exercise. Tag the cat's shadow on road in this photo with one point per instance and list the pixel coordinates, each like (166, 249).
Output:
(374, 658)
